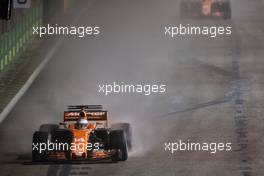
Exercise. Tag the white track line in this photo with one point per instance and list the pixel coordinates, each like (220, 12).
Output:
(30, 80)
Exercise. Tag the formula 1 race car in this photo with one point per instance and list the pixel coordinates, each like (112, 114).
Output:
(84, 135)
(217, 9)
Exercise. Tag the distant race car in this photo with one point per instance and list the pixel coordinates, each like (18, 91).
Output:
(205, 9)
(84, 135)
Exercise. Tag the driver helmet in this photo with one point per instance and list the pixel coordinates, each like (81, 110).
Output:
(82, 114)
(82, 124)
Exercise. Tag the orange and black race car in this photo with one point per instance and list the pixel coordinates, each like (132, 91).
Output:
(84, 135)
(220, 9)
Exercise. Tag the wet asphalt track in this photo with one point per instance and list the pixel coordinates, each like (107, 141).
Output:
(214, 91)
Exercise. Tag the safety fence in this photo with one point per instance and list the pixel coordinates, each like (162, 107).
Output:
(13, 42)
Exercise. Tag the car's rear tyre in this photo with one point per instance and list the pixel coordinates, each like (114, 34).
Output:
(119, 144)
(39, 138)
(126, 127)
(102, 136)
(64, 137)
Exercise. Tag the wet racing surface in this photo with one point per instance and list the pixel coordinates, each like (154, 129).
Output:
(214, 91)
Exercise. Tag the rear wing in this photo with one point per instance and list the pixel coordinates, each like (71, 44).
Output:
(90, 115)
(93, 113)
(85, 107)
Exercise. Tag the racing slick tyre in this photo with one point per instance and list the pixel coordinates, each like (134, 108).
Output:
(64, 138)
(118, 143)
(102, 136)
(39, 138)
(49, 128)
(126, 127)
